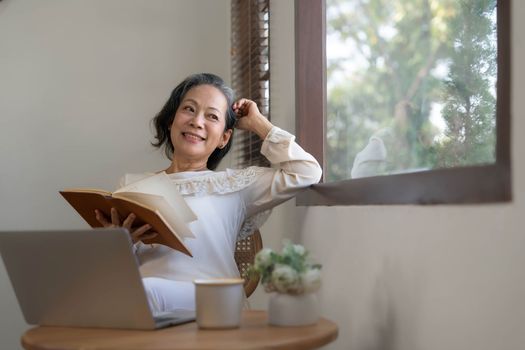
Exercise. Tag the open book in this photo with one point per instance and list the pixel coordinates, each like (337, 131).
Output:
(154, 200)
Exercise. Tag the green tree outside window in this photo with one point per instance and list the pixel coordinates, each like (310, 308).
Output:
(411, 85)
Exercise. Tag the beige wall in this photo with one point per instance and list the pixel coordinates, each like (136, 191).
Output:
(411, 277)
(79, 82)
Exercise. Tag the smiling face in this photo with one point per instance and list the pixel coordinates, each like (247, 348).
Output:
(198, 127)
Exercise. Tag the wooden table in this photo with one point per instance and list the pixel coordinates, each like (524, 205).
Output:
(254, 333)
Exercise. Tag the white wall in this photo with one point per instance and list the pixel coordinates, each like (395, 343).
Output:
(411, 277)
(79, 82)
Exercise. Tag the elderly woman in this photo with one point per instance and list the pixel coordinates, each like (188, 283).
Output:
(195, 127)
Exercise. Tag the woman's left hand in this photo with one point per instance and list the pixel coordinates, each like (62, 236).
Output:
(250, 119)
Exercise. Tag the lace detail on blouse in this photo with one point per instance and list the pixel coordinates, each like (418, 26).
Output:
(228, 181)
(253, 223)
(220, 183)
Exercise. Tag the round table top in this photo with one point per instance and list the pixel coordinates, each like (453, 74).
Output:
(254, 333)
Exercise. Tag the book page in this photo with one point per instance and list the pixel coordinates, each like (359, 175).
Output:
(89, 190)
(159, 204)
(161, 185)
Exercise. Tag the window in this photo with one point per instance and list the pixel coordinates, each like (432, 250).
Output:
(414, 97)
(250, 35)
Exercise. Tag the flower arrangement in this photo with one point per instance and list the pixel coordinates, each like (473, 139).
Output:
(288, 272)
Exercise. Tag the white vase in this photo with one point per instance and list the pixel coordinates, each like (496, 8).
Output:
(293, 310)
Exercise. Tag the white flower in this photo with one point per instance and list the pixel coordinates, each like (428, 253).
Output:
(290, 249)
(311, 280)
(285, 279)
(289, 271)
(299, 249)
(263, 259)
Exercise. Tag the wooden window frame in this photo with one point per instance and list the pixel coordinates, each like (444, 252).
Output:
(460, 185)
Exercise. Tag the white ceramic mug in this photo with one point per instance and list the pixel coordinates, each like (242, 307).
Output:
(219, 302)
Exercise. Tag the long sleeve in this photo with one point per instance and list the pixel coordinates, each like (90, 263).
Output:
(293, 169)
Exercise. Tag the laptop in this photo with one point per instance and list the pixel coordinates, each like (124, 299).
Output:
(81, 278)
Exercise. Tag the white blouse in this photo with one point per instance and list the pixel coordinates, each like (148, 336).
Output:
(230, 205)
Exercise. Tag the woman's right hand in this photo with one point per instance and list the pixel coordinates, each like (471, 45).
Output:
(139, 234)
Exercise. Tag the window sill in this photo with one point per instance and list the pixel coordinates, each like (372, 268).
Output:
(441, 186)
